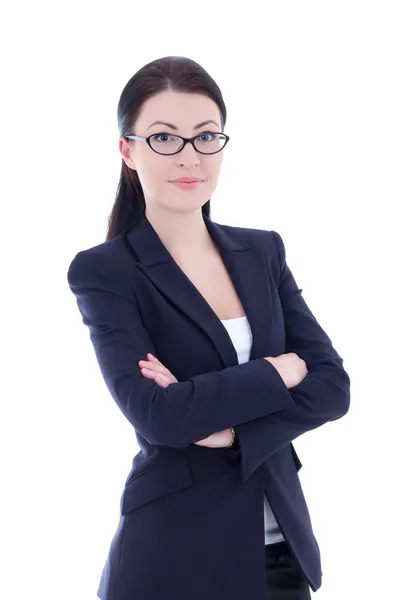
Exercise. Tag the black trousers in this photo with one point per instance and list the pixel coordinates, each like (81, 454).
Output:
(285, 579)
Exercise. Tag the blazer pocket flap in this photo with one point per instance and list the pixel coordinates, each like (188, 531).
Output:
(296, 458)
(158, 481)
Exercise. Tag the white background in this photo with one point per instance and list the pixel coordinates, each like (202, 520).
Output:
(312, 92)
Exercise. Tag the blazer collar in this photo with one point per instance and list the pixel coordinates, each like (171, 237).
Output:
(246, 266)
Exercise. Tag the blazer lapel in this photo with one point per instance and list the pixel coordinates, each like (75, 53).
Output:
(246, 266)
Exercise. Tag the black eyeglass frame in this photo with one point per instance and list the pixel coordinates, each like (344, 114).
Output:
(185, 141)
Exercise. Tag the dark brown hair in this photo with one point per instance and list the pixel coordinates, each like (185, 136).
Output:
(174, 73)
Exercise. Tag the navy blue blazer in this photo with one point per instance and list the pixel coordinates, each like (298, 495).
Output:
(191, 518)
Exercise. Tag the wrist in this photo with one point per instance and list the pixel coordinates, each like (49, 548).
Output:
(234, 442)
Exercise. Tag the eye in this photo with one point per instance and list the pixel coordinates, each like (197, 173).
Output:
(213, 135)
(159, 135)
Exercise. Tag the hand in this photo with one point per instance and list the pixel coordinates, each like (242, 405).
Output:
(154, 369)
(220, 439)
(290, 367)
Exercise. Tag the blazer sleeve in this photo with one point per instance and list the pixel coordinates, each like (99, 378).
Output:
(183, 412)
(322, 396)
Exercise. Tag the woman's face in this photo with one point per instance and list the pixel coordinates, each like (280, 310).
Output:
(155, 171)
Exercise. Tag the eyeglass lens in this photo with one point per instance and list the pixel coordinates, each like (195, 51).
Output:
(166, 143)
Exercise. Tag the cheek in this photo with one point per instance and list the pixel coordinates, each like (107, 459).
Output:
(213, 170)
(154, 174)
(215, 166)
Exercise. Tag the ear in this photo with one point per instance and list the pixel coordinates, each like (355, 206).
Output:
(125, 151)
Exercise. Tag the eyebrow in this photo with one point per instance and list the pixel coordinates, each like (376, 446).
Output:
(176, 128)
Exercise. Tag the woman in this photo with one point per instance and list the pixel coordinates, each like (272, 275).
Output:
(200, 331)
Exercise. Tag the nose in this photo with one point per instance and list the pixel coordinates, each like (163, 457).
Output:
(188, 155)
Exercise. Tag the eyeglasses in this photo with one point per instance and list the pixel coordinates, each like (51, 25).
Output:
(208, 142)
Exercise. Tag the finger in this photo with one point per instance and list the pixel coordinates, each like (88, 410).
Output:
(154, 361)
(147, 372)
(161, 380)
(158, 377)
(153, 358)
(158, 368)
(152, 366)
(205, 440)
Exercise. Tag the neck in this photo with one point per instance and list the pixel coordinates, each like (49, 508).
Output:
(183, 234)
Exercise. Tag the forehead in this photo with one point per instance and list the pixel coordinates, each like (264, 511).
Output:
(185, 110)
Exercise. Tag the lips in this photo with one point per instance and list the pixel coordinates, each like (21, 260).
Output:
(186, 180)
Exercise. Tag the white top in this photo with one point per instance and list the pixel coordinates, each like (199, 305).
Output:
(242, 338)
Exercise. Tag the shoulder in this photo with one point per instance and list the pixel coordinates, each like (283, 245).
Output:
(107, 258)
(267, 239)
